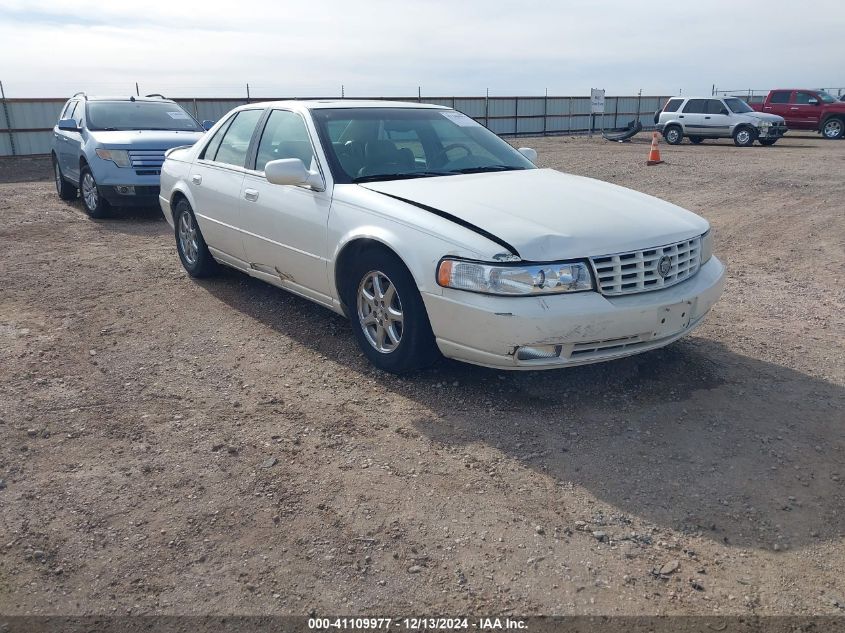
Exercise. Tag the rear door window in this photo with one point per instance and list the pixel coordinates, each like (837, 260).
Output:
(235, 143)
(715, 106)
(780, 96)
(695, 106)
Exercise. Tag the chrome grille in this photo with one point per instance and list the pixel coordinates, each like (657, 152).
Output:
(637, 271)
(146, 158)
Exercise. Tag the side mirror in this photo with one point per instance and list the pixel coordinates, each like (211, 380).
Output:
(292, 171)
(530, 154)
(68, 125)
(813, 101)
(207, 124)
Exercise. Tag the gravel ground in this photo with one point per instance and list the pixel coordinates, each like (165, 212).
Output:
(173, 446)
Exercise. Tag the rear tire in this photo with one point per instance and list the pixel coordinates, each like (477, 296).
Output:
(673, 134)
(190, 244)
(744, 137)
(65, 190)
(696, 140)
(833, 128)
(387, 313)
(768, 142)
(95, 205)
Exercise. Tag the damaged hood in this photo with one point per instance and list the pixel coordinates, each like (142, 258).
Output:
(546, 215)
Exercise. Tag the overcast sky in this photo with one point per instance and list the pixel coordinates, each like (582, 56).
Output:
(388, 48)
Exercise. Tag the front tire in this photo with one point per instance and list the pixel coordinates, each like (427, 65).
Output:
(387, 313)
(190, 244)
(833, 128)
(95, 205)
(673, 135)
(744, 137)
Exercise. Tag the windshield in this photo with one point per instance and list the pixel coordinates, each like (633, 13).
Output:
(139, 115)
(825, 97)
(738, 106)
(367, 144)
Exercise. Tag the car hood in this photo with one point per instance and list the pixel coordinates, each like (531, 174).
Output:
(547, 215)
(763, 116)
(145, 139)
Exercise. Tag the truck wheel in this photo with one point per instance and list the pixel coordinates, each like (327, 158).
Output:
(673, 134)
(768, 142)
(833, 128)
(695, 140)
(744, 137)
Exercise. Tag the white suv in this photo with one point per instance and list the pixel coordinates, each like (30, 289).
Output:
(714, 117)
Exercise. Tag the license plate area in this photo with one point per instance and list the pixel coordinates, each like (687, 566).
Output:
(673, 318)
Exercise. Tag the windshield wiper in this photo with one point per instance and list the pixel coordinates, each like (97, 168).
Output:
(478, 170)
(403, 176)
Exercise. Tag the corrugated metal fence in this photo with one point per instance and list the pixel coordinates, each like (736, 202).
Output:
(26, 124)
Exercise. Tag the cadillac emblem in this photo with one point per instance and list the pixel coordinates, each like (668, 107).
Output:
(664, 266)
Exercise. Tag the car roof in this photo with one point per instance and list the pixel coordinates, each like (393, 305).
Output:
(316, 104)
(132, 98)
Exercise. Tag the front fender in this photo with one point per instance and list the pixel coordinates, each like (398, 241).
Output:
(419, 250)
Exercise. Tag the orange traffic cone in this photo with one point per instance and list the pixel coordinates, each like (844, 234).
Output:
(654, 154)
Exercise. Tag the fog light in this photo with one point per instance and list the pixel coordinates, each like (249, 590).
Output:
(536, 352)
(126, 190)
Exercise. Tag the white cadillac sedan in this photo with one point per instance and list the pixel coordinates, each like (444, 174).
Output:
(434, 236)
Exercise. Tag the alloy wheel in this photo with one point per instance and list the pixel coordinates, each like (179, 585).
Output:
(89, 191)
(58, 173)
(380, 312)
(743, 136)
(188, 243)
(833, 128)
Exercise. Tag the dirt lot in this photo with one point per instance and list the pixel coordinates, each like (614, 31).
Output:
(171, 446)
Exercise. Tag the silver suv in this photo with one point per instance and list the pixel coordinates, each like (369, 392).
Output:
(699, 118)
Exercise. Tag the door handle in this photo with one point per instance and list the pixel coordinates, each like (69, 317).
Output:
(793, 108)
(196, 179)
(707, 117)
(251, 194)
(681, 116)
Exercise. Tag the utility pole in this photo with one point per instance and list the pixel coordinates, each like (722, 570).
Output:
(137, 90)
(247, 93)
(419, 94)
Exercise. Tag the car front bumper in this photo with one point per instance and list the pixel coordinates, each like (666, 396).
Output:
(130, 195)
(580, 328)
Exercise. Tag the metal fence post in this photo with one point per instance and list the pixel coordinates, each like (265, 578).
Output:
(545, 112)
(487, 109)
(8, 119)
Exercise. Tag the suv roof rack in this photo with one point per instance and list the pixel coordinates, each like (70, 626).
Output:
(156, 94)
(81, 93)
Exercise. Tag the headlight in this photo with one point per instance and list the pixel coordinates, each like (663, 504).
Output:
(706, 247)
(496, 279)
(119, 157)
(764, 124)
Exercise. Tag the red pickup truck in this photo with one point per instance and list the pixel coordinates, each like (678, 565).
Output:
(806, 110)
